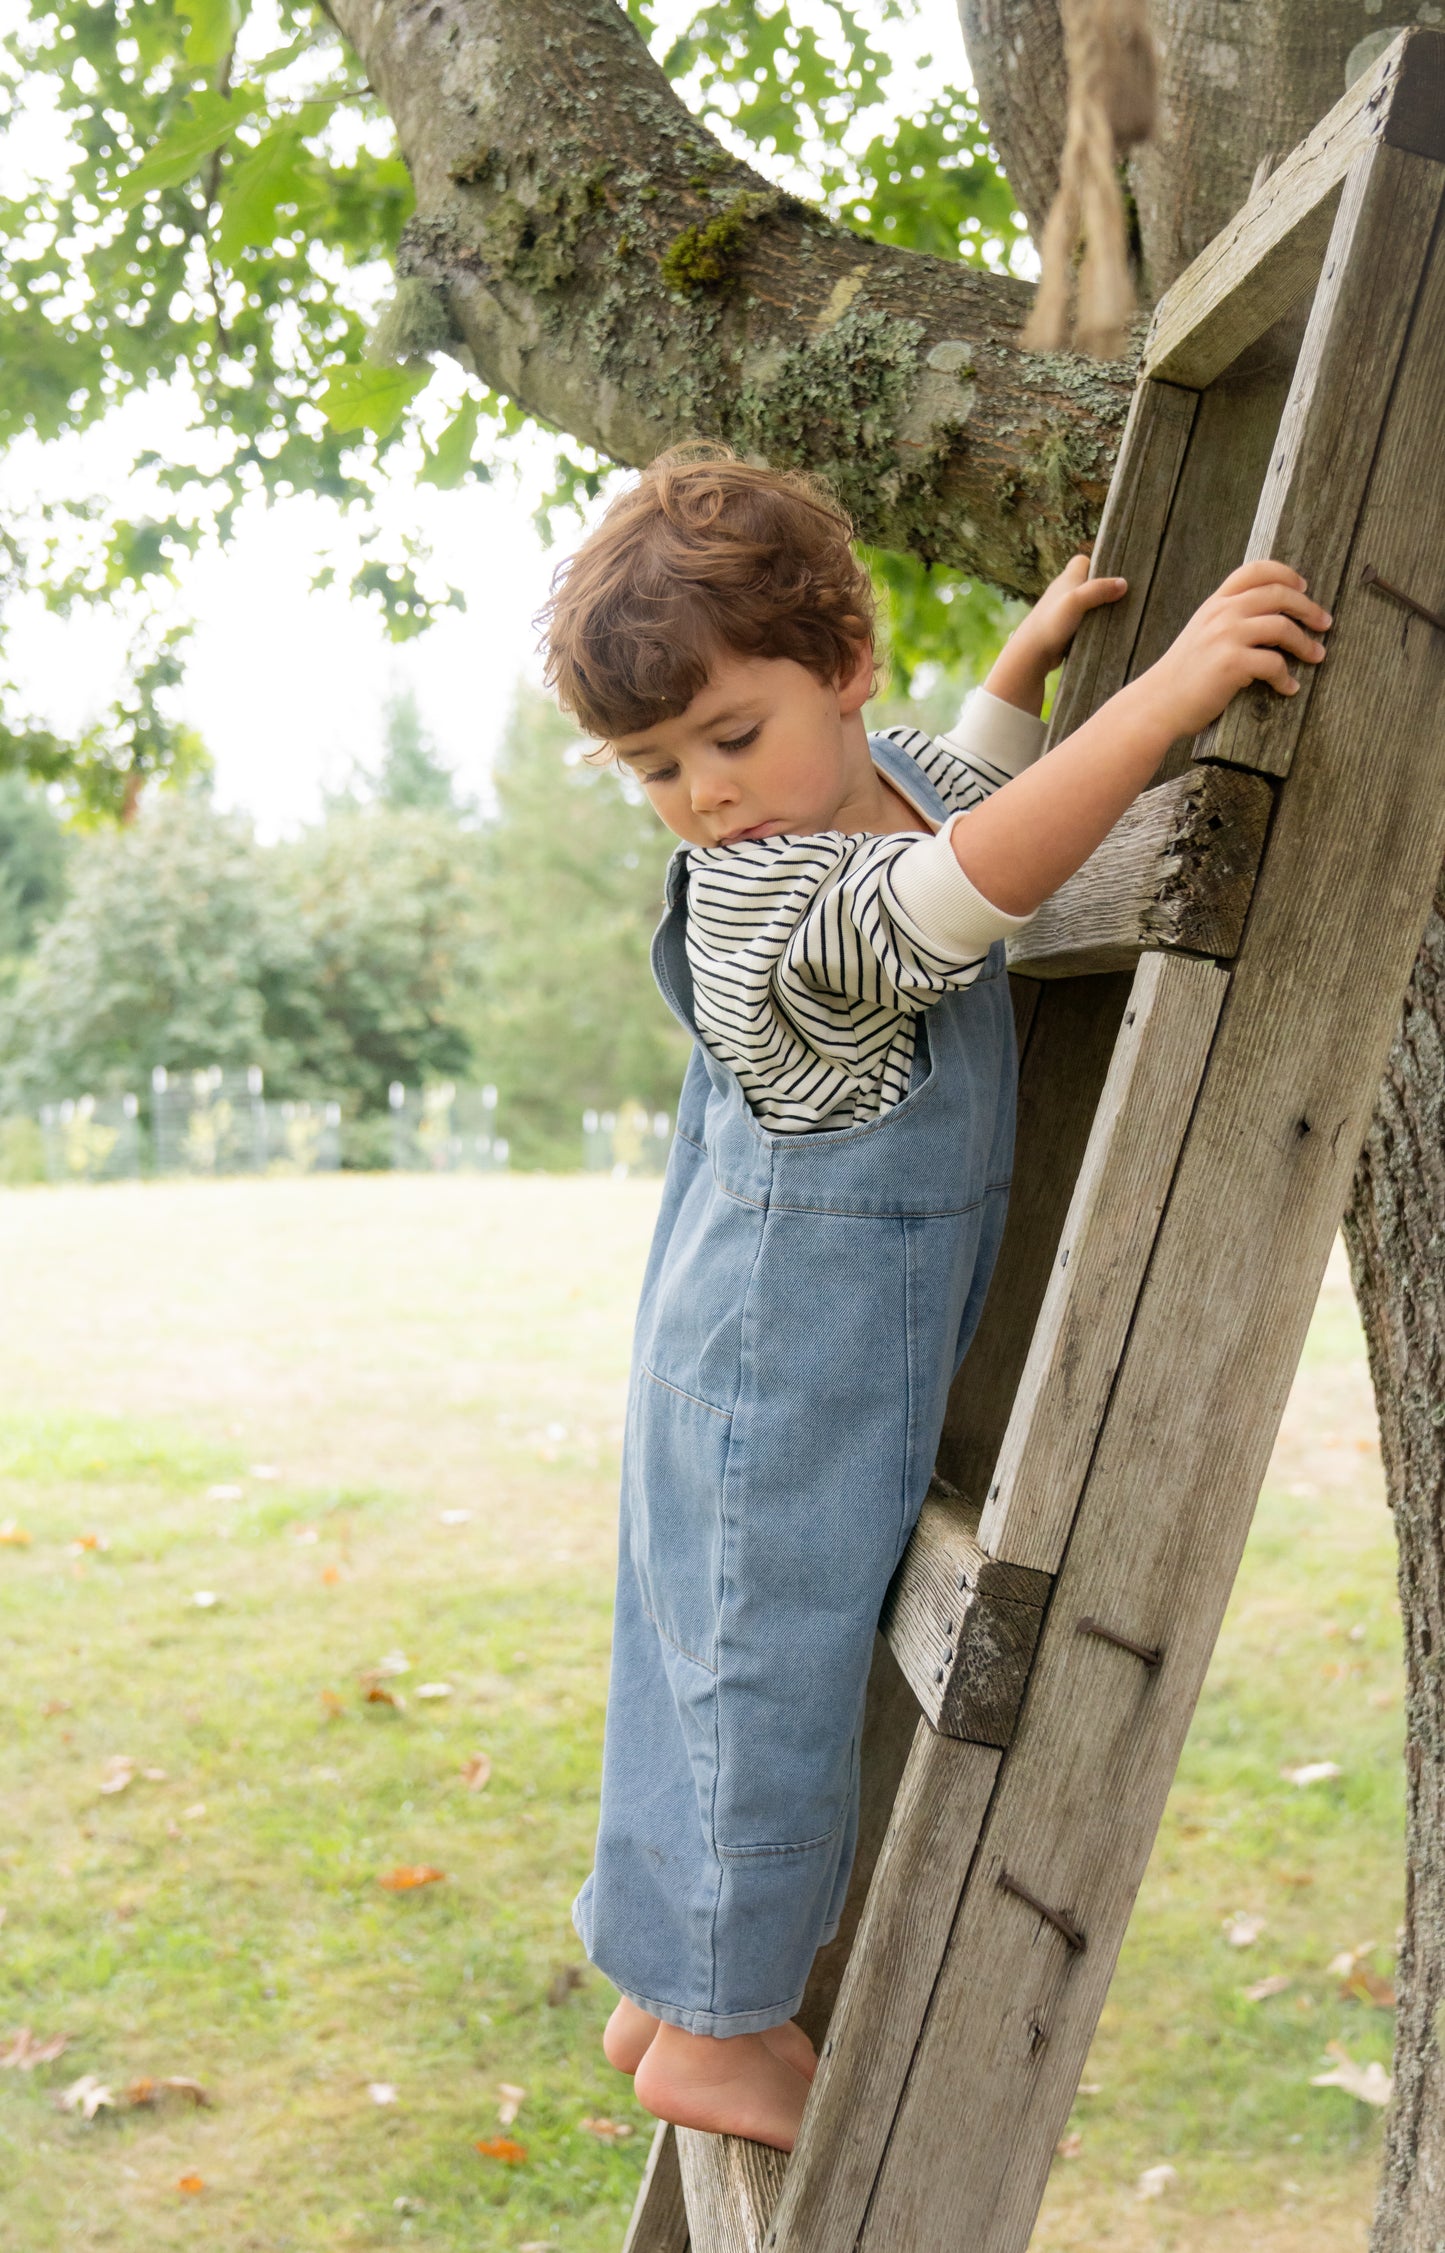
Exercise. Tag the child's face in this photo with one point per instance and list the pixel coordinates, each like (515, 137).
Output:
(763, 750)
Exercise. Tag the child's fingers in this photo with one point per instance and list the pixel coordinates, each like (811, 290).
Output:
(1283, 633)
(1258, 573)
(1270, 666)
(1095, 591)
(1279, 596)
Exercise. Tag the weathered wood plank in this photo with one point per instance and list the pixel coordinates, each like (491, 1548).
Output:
(1323, 452)
(1060, 1075)
(659, 2215)
(731, 2187)
(1153, 1080)
(1342, 895)
(963, 1626)
(1273, 248)
(1151, 456)
(1176, 871)
(940, 1808)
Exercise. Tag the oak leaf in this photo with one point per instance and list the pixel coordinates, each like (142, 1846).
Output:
(407, 1876)
(502, 2147)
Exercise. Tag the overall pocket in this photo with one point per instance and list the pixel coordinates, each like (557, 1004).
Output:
(677, 1450)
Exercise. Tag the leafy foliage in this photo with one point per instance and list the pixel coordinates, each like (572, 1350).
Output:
(33, 846)
(223, 222)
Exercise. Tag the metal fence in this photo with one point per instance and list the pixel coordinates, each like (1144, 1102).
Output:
(626, 1141)
(446, 1129)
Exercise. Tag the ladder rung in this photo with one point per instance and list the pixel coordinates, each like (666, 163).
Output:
(1176, 872)
(962, 1625)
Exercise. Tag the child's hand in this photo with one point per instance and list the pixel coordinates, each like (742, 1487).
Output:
(1238, 636)
(1042, 641)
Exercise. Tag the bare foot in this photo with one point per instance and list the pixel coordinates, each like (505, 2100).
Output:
(735, 2086)
(629, 2032)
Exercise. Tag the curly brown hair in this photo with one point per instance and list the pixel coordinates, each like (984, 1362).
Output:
(704, 555)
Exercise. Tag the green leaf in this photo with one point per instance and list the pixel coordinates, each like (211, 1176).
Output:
(184, 146)
(449, 462)
(273, 173)
(214, 25)
(363, 397)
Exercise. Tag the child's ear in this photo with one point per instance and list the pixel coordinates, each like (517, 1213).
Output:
(856, 686)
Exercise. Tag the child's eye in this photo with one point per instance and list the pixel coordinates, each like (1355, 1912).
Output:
(741, 742)
(659, 774)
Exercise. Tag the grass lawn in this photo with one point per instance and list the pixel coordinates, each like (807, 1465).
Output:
(284, 1396)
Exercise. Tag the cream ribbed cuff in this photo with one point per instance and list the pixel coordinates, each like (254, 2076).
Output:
(988, 728)
(943, 909)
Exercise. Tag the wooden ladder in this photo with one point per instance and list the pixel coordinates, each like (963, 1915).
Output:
(1204, 1013)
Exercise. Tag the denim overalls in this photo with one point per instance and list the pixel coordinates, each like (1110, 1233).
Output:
(807, 1300)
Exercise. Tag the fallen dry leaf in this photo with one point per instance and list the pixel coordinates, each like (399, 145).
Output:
(379, 1694)
(154, 1775)
(1242, 1931)
(1296, 1878)
(1370, 2083)
(205, 1599)
(455, 1517)
(1366, 1986)
(190, 2184)
(1313, 1772)
(330, 1575)
(264, 1471)
(565, 1980)
(52, 1706)
(1069, 2147)
(119, 1772)
(155, 2090)
(408, 1876)
(88, 1541)
(331, 1705)
(1090, 2088)
(394, 1662)
(502, 2147)
(1347, 1962)
(1262, 1989)
(308, 1534)
(433, 1690)
(13, 1536)
(1155, 2181)
(477, 1772)
(381, 2092)
(513, 2098)
(86, 2096)
(23, 2052)
(225, 1494)
(606, 2131)
(193, 1814)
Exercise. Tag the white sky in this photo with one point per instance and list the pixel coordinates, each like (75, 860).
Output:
(286, 686)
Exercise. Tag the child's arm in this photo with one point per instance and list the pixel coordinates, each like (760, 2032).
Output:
(1030, 836)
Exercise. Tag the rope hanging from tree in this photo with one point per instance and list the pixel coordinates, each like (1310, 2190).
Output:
(1110, 53)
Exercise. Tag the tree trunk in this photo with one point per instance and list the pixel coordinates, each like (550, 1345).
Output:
(603, 261)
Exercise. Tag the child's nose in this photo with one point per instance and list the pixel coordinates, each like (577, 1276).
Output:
(709, 791)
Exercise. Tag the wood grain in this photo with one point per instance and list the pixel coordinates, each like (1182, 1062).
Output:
(731, 2187)
(659, 2215)
(1176, 871)
(1273, 248)
(911, 1907)
(1331, 422)
(1134, 1146)
(962, 1625)
(1060, 1075)
(1342, 896)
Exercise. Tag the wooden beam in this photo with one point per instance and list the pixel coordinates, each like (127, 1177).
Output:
(1353, 855)
(1176, 871)
(1331, 424)
(1153, 1080)
(1061, 1072)
(936, 1823)
(1273, 248)
(659, 2214)
(731, 2187)
(962, 1625)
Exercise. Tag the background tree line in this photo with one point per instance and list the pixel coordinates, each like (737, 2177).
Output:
(405, 936)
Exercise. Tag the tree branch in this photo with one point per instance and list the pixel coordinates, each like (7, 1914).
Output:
(608, 265)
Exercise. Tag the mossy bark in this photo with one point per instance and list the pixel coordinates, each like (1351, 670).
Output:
(607, 264)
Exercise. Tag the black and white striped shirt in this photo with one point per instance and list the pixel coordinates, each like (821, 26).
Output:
(812, 956)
